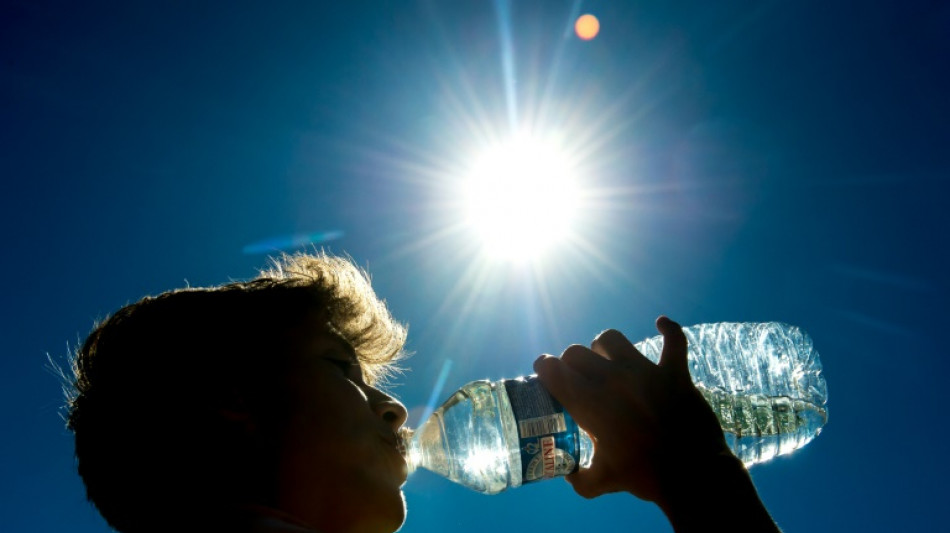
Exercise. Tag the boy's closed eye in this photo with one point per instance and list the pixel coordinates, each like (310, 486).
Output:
(350, 368)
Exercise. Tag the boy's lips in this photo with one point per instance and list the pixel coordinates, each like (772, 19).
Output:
(397, 445)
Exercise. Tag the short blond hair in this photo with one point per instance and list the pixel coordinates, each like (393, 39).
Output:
(147, 377)
(355, 311)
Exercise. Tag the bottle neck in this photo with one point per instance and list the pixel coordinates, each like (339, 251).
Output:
(409, 448)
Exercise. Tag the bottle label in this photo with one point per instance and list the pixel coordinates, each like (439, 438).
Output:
(548, 436)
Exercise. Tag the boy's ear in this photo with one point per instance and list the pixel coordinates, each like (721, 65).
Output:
(234, 411)
(234, 414)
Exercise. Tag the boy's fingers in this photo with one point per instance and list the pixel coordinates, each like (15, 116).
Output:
(615, 346)
(586, 363)
(567, 386)
(675, 347)
(586, 482)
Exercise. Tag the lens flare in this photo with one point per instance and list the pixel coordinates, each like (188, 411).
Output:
(289, 242)
(587, 27)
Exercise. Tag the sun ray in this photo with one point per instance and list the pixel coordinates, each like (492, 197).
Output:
(503, 11)
(436, 395)
(476, 113)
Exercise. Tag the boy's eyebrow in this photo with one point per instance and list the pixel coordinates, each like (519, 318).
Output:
(344, 344)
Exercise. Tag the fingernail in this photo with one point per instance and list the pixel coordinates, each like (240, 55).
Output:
(537, 361)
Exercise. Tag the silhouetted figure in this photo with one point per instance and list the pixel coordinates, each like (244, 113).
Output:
(253, 407)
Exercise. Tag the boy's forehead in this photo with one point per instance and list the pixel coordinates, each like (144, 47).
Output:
(315, 337)
(318, 337)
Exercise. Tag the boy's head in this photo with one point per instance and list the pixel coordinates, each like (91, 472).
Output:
(199, 401)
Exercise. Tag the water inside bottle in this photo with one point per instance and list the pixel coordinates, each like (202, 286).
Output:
(760, 427)
(482, 457)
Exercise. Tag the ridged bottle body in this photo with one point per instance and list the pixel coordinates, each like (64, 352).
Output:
(762, 380)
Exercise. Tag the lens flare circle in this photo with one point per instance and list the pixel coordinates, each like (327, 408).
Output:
(587, 27)
(520, 198)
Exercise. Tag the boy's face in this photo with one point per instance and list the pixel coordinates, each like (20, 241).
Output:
(339, 465)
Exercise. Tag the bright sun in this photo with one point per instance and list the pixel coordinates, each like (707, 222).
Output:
(521, 198)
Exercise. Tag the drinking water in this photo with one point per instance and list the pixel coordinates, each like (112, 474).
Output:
(763, 381)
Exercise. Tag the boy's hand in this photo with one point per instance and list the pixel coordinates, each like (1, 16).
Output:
(652, 429)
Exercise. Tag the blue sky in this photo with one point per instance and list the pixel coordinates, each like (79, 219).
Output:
(739, 161)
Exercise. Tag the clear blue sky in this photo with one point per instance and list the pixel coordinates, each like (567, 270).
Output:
(744, 161)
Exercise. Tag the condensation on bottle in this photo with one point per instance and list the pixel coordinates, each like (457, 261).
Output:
(763, 381)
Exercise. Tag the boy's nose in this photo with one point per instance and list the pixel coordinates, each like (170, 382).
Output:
(392, 411)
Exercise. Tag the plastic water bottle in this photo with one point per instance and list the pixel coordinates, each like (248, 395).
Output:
(763, 381)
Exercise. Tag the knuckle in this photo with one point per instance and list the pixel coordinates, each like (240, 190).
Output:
(545, 365)
(588, 492)
(609, 336)
(582, 488)
(574, 352)
(610, 340)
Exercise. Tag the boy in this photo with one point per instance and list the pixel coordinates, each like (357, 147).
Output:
(253, 407)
